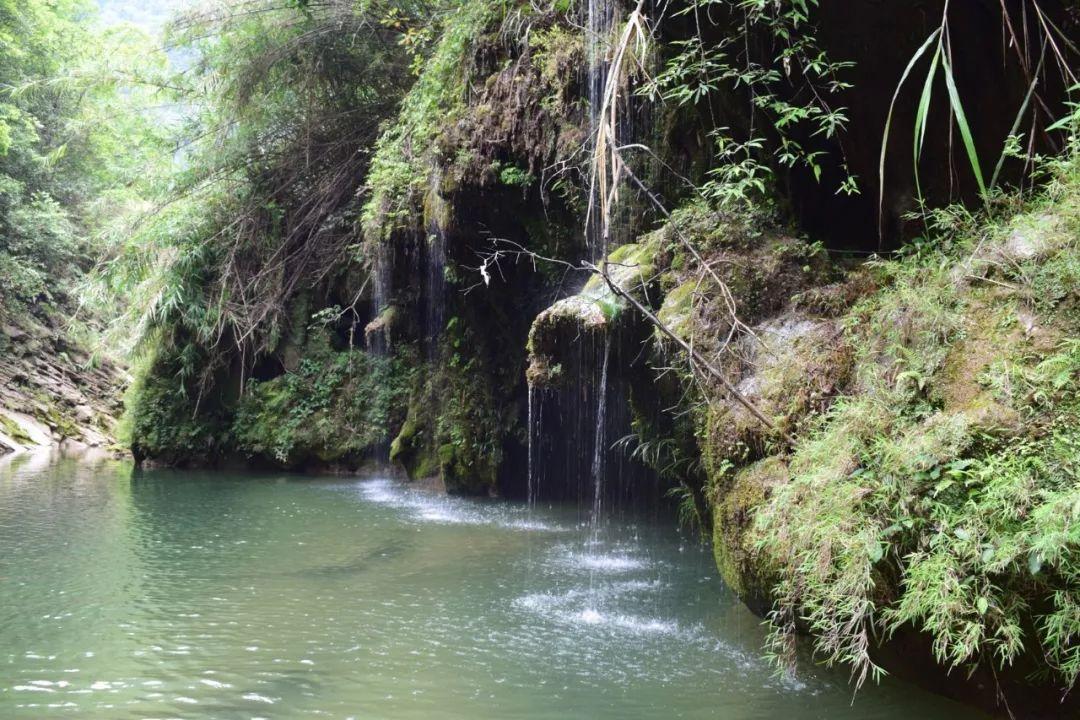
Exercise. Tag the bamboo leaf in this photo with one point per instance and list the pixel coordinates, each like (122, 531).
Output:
(965, 128)
(888, 121)
(1020, 117)
(921, 116)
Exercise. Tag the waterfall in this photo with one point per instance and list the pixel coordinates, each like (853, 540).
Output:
(434, 255)
(377, 333)
(382, 287)
(598, 27)
(578, 417)
(436, 287)
(535, 428)
(530, 478)
(599, 463)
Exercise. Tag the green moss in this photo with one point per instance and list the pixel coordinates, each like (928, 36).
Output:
(632, 267)
(469, 429)
(14, 431)
(413, 446)
(557, 51)
(400, 170)
(740, 565)
(676, 312)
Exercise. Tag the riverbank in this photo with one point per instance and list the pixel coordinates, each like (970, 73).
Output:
(53, 390)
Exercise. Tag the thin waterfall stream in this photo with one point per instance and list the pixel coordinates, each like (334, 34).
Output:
(599, 464)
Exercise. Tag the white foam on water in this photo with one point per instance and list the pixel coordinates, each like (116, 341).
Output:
(629, 623)
(577, 608)
(388, 492)
(435, 514)
(591, 616)
(607, 563)
(451, 511)
(531, 526)
(379, 491)
(637, 586)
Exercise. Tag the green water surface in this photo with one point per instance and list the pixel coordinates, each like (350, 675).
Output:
(162, 594)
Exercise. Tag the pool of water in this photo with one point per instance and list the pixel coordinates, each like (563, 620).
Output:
(157, 594)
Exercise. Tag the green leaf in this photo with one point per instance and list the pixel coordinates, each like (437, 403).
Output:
(888, 118)
(1035, 562)
(943, 486)
(983, 605)
(875, 552)
(921, 116)
(1019, 118)
(962, 123)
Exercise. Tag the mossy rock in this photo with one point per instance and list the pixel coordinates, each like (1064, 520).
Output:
(991, 335)
(14, 431)
(677, 310)
(740, 565)
(631, 267)
(596, 310)
(412, 450)
(385, 324)
(465, 472)
(792, 370)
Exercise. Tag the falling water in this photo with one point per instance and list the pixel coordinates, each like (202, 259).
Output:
(598, 27)
(434, 254)
(436, 286)
(378, 337)
(382, 286)
(583, 413)
(599, 464)
(533, 443)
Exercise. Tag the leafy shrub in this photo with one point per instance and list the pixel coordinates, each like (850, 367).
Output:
(336, 405)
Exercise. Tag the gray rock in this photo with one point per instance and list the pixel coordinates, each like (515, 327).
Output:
(13, 332)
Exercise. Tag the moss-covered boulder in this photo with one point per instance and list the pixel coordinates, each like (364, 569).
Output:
(742, 567)
(596, 311)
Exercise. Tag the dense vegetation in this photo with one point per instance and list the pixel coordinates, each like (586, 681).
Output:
(72, 153)
(422, 232)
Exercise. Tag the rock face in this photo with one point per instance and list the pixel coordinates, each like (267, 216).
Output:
(52, 392)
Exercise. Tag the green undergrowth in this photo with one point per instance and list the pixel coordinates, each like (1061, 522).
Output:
(334, 407)
(165, 417)
(941, 491)
(401, 165)
(337, 405)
